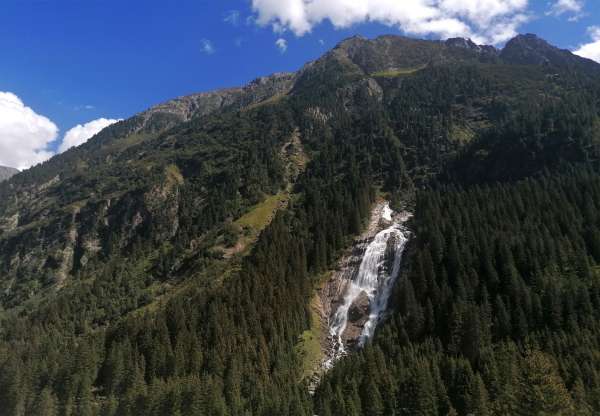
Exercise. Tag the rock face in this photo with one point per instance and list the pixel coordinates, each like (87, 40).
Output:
(351, 302)
(358, 314)
(333, 295)
(6, 173)
(185, 108)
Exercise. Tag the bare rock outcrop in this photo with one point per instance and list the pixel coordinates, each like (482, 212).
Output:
(6, 173)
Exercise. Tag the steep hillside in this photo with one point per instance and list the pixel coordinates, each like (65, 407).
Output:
(6, 173)
(173, 263)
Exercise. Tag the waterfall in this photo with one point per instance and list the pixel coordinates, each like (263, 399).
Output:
(376, 275)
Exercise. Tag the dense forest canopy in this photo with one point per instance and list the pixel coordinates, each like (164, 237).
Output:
(166, 267)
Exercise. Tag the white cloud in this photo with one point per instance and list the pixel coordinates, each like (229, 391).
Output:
(26, 137)
(206, 46)
(281, 44)
(574, 7)
(591, 50)
(485, 21)
(232, 17)
(81, 133)
(24, 134)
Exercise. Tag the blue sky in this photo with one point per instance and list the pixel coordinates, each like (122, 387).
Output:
(74, 61)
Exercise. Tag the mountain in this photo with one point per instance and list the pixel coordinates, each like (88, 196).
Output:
(6, 173)
(531, 50)
(402, 226)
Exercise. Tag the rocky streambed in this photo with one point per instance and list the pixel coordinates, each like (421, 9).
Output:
(355, 297)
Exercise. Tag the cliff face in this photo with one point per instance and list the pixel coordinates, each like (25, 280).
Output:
(6, 173)
(354, 298)
(185, 108)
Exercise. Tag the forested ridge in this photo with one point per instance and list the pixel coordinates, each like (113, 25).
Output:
(149, 272)
(498, 311)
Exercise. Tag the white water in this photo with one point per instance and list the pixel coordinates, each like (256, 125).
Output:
(373, 279)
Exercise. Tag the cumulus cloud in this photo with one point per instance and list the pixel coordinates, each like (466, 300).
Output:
(82, 132)
(24, 134)
(573, 7)
(591, 50)
(485, 21)
(26, 137)
(207, 47)
(281, 44)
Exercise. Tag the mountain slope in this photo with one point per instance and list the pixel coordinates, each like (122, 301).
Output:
(168, 265)
(6, 173)
(530, 50)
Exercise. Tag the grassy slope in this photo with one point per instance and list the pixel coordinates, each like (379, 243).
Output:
(397, 72)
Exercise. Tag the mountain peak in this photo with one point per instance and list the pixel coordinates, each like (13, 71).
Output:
(529, 38)
(464, 43)
(529, 49)
(468, 45)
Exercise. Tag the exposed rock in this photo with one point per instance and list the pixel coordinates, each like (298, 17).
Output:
(390, 253)
(295, 158)
(68, 253)
(6, 172)
(359, 310)
(185, 108)
(331, 295)
(463, 43)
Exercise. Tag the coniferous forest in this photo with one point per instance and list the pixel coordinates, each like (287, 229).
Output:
(167, 267)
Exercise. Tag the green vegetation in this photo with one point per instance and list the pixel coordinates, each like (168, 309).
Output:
(499, 306)
(260, 215)
(309, 346)
(395, 73)
(497, 309)
(461, 135)
(173, 175)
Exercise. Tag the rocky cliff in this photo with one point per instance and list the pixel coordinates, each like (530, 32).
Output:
(6, 173)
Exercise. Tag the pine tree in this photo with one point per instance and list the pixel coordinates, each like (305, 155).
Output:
(542, 391)
(46, 404)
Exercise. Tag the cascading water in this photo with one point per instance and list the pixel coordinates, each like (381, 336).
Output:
(377, 273)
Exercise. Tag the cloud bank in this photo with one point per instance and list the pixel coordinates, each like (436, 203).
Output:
(81, 133)
(485, 21)
(24, 134)
(591, 50)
